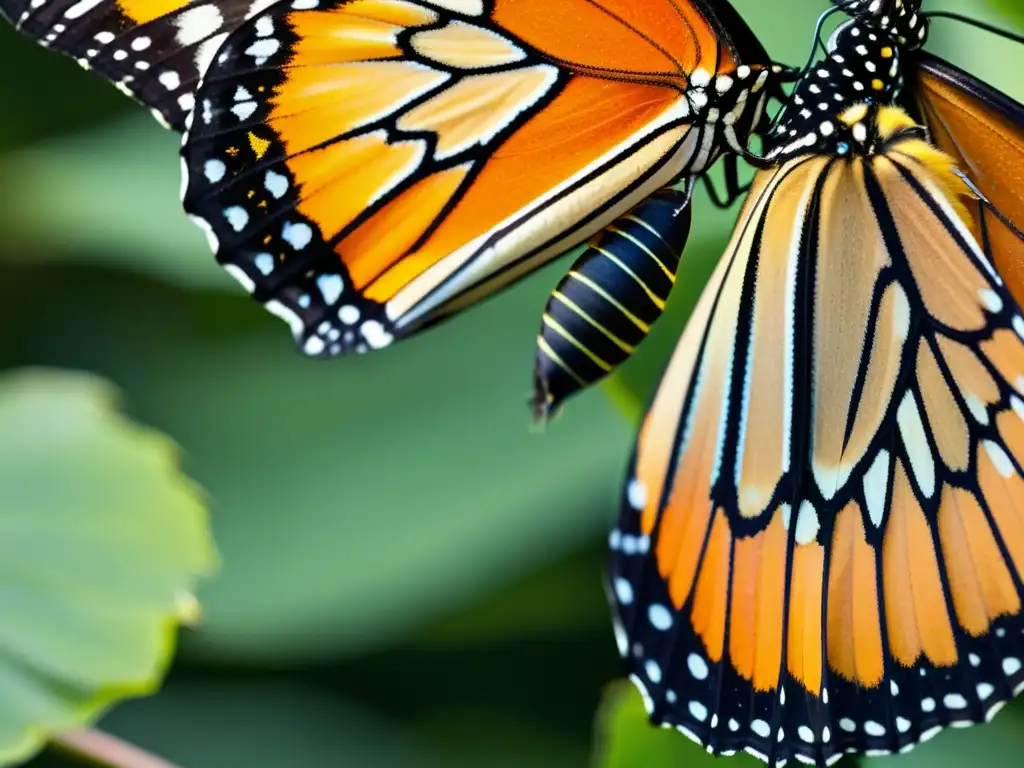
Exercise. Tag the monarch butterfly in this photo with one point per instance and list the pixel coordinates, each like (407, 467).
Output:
(974, 123)
(821, 545)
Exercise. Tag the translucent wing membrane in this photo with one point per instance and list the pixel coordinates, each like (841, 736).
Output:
(155, 50)
(983, 130)
(608, 302)
(822, 539)
(366, 168)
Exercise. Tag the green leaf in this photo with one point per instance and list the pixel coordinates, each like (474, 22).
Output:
(109, 195)
(625, 737)
(101, 541)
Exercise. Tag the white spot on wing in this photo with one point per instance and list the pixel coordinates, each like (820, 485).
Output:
(237, 217)
(697, 666)
(331, 287)
(999, 458)
(198, 24)
(636, 494)
(954, 701)
(170, 80)
(375, 334)
(660, 617)
(916, 442)
(807, 524)
(214, 170)
(298, 235)
(876, 486)
(276, 184)
(761, 728)
(990, 299)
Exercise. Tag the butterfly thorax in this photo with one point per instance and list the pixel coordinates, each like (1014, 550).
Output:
(729, 106)
(862, 68)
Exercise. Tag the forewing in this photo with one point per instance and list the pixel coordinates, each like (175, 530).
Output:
(366, 168)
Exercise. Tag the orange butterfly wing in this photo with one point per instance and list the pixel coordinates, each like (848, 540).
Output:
(368, 167)
(822, 541)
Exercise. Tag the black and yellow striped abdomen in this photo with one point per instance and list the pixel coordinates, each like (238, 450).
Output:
(611, 297)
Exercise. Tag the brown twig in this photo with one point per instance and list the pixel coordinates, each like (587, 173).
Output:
(107, 750)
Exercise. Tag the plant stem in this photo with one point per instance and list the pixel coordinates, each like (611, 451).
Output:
(107, 750)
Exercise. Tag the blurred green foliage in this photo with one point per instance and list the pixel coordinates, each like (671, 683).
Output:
(103, 541)
(410, 575)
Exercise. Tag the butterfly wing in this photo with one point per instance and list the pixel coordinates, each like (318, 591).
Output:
(366, 168)
(822, 537)
(983, 130)
(155, 50)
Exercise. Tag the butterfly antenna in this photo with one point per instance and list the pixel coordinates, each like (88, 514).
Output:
(988, 204)
(977, 23)
(815, 46)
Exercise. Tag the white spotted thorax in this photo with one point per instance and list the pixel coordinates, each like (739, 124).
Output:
(862, 67)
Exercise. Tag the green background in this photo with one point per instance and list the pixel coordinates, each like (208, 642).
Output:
(410, 573)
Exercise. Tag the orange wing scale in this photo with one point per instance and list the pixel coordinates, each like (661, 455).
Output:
(916, 615)
(663, 38)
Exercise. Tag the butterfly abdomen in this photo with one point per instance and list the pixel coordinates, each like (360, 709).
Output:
(605, 306)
